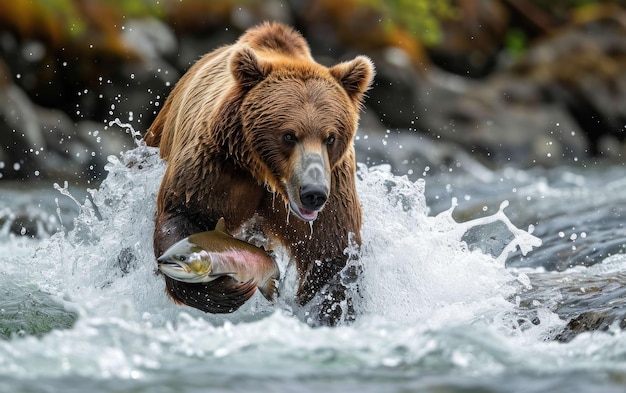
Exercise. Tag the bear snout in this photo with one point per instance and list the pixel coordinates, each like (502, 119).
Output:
(308, 188)
(314, 181)
(313, 196)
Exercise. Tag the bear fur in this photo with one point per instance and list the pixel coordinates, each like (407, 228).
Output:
(258, 132)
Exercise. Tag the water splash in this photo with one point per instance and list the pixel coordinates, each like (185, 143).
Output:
(65, 191)
(129, 129)
(414, 263)
(421, 287)
(411, 262)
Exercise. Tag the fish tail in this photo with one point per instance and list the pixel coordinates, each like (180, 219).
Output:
(269, 289)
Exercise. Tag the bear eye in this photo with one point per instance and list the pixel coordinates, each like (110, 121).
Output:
(330, 140)
(290, 137)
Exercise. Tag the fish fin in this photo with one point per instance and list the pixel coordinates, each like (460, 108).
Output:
(221, 225)
(235, 291)
(222, 295)
(269, 289)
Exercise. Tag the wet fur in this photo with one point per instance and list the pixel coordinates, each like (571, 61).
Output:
(221, 132)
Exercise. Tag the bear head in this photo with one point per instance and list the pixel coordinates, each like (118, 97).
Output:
(299, 118)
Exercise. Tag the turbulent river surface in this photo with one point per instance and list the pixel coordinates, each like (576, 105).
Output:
(490, 281)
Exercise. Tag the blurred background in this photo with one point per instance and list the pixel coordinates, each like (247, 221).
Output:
(494, 82)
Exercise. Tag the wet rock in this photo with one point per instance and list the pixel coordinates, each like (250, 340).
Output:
(587, 302)
(395, 93)
(501, 120)
(565, 99)
(415, 154)
(150, 38)
(42, 143)
(471, 43)
(136, 89)
(592, 320)
(581, 67)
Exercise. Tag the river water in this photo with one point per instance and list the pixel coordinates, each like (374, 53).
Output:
(470, 282)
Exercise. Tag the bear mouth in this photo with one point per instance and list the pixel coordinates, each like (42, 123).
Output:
(302, 213)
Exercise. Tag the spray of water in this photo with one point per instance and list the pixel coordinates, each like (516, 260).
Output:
(412, 263)
(417, 276)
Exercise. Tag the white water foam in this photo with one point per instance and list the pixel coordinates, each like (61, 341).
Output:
(415, 265)
(419, 278)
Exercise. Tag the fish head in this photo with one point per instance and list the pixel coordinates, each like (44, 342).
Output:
(183, 263)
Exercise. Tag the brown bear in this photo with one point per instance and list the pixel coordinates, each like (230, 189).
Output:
(259, 133)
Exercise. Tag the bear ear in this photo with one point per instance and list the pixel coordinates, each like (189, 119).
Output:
(355, 76)
(247, 68)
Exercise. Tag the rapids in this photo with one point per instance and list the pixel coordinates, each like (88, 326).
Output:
(447, 304)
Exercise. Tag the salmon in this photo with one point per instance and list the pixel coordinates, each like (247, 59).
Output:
(206, 256)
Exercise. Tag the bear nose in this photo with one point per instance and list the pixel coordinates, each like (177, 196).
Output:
(313, 196)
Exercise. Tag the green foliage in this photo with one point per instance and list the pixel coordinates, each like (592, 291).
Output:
(138, 8)
(70, 14)
(515, 42)
(419, 17)
(63, 11)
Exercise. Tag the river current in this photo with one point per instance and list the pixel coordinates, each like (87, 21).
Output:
(470, 284)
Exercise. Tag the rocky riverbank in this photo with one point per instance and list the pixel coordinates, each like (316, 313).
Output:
(506, 82)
